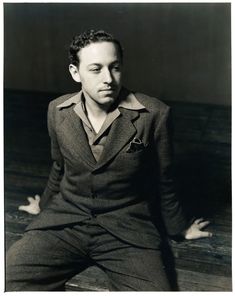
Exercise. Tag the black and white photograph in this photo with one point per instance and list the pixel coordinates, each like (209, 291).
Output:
(117, 146)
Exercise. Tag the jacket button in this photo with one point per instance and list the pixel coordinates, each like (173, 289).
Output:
(93, 214)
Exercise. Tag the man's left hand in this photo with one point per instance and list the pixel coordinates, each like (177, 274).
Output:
(195, 230)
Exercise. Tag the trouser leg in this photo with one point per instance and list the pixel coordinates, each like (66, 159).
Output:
(45, 260)
(40, 261)
(128, 267)
(139, 270)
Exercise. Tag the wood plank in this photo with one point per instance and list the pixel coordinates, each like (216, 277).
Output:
(92, 279)
(28, 169)
(21, 182)
(41, 156)
(18, 217)
(17, 228)
(190, 109)
(12, 199)
(217, 257)
(210, 268)
(195, 281)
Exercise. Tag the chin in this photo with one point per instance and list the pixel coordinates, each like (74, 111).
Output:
(107, 100)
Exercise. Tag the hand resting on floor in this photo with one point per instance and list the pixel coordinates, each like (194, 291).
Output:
(33, 206)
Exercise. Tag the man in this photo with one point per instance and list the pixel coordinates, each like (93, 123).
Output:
(110, 182)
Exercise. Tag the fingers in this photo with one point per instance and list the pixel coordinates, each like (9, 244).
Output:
(197, 221)
(198, 234)
(205, 234)
(37, 197)
(30, 199)
(33, 200)
(203, 224)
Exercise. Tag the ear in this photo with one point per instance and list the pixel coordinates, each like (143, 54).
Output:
(74, 73)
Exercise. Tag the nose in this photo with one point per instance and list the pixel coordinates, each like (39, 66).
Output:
(107, 76)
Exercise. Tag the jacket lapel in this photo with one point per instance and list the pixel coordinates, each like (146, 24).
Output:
(121, 132)
(79, 141)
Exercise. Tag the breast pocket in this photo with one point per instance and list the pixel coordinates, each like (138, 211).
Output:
(133, 155)
(132, 168)
(133, 163)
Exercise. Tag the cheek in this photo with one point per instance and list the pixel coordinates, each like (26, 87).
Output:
(118, 77)
(89, 84)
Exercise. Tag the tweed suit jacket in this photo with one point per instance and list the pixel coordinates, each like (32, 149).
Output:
(126, 190)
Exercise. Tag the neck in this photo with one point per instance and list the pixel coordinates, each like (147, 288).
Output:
(96, 113)
(94, 109)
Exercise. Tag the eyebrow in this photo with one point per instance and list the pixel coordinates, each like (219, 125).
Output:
(98, 64)
(94, 64)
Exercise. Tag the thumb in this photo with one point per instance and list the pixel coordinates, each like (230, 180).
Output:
(22, 208)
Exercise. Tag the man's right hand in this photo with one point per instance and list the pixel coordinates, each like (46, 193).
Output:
(33, 206)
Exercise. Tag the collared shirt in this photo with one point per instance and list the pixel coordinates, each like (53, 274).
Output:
(98, 140)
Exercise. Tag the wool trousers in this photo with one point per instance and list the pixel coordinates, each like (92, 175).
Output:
(43, 260)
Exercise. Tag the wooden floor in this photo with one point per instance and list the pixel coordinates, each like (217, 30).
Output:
(203, 178)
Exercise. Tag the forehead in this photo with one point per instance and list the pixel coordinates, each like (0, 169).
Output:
(99, 52)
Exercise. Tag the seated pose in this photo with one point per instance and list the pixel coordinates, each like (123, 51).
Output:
(110, 183)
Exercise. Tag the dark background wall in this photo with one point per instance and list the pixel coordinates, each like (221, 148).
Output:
(172, 51)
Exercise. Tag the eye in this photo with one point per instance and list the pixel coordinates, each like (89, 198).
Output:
(94, 70)
(116, 68)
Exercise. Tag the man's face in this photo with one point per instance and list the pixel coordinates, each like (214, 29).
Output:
(100, 72)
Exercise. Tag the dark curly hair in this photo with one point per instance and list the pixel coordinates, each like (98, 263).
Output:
(88, 37)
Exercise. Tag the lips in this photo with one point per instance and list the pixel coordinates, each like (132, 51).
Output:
(107, 89)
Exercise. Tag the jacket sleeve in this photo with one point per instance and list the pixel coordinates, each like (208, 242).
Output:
(171, 210)
(57, 169)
